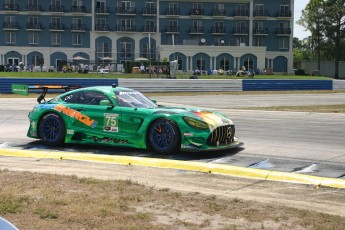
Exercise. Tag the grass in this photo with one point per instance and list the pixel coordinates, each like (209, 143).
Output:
(143, 76)
(44, 201)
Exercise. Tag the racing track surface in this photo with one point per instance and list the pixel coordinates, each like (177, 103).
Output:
(307, 143)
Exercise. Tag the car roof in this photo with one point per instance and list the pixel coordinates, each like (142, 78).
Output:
(107, 89)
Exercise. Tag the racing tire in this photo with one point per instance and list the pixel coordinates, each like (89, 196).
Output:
(164, 136)
(52, 130)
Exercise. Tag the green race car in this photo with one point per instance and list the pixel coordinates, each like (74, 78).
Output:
(111, 115)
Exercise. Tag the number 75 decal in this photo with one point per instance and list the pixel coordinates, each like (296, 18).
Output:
(110, 123)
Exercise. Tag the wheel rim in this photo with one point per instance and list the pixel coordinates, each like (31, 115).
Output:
(162, 135)
(51, 129)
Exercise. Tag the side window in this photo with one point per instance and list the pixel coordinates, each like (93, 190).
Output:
(91, 97)
(71, 98)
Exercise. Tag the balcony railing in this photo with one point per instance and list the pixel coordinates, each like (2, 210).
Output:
(126, 28)
(10, 25)
(284, 14)
(149, 11)
(126, 10)
(149, 29)
(260, 31)
(78, 27)
(196, 12)
(102, 10)
(34, 8)
(172, 12)
(10, 7)
(34, 26)
(219, 13)
(172, 29)
(78, 9)
(57, 9)
(261, 13)
(102, 28)
(283, 31)
(218, 30)
(241, 30)
(241, 13)
(196, 30)
(57, 26)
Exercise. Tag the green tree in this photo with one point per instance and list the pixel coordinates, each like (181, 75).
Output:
(325, 19)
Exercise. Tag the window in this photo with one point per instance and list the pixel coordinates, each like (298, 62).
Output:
(33, 38)
(258, 41)
(126, 49)
(259, 7)
(77, 39)
(9, 19)
(219, 7)
(103, 50)
(10, 38)
(283, 43)
(91, 97)
(56, 3)
(150, 25)
(77, 3)
(56, 39)
(71, 98)
(34, 60)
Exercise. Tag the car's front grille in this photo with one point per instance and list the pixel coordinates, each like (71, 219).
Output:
(222, 135)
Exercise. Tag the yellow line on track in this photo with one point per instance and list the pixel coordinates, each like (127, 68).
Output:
(181, 165)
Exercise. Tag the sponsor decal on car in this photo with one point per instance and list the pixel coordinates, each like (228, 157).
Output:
(111, 122)
(109, 140)
(77, 115)
(212, 119)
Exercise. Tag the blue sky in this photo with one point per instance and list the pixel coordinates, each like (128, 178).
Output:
(299, 30)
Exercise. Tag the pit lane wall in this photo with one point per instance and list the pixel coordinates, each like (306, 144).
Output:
(184, 85)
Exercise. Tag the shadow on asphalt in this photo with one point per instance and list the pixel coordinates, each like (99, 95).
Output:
(123, 151)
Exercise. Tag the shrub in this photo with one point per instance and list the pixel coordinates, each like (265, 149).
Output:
(2, 68)
(300, 72)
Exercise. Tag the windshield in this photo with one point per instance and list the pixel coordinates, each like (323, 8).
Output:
(133, 99)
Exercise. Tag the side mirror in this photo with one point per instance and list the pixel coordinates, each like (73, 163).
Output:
(154, 101)
(105, 103)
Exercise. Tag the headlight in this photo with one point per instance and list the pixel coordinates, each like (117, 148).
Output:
(194, 123)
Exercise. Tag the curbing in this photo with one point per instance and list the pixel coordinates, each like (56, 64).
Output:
(182, 165)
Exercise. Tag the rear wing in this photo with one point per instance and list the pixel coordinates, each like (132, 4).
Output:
(24, 89)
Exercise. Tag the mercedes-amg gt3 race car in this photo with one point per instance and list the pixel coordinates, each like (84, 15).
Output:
(111, 115)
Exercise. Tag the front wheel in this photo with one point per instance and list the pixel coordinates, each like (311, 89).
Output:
(164, 136)
(52, 129)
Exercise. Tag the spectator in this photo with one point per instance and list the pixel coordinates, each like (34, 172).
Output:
(142, 68)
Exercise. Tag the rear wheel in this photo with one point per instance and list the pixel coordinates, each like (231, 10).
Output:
(52, 129)
(164, 136)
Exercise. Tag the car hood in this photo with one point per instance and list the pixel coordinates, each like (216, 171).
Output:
(212, 118)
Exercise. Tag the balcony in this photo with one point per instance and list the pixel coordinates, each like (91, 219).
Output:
(241, 13)
(283, 31)
(149, 29)
(284, 14)
(57, 9)
(34, 26)
(10, 26)
(173, 12)
(260, 31)
(33, 8)
(149, 11)
(172, 30)
(56, 27)
(10, 7)
(78, 9)
(196, 12)
(218, 13)
(261, 13)
(196, 30)
(126, 11)
(217, 30)
(125, 28)
(102, 10)
(102, 28)
(78, 28)
(241, 31)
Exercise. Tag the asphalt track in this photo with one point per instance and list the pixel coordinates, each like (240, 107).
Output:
(303, 148)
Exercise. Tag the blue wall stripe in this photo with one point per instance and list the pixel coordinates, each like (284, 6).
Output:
(276, 85)
(6, 83)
